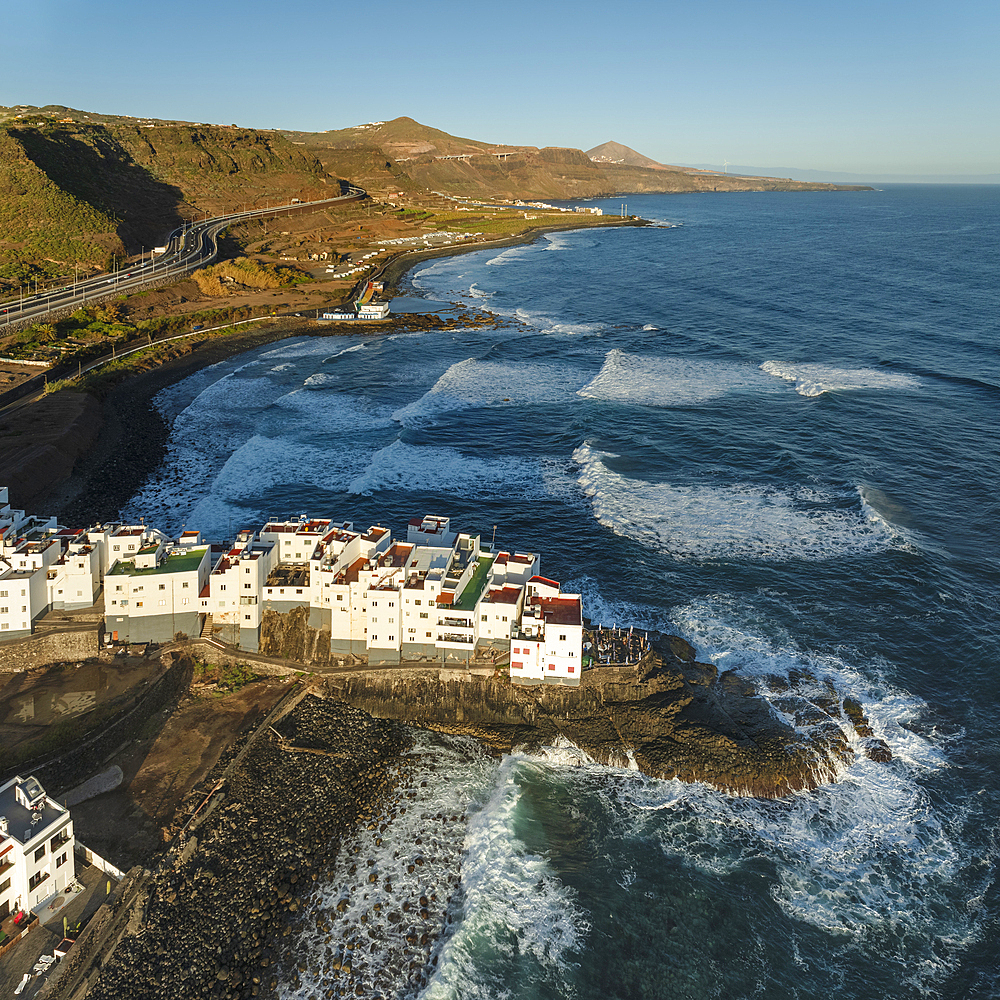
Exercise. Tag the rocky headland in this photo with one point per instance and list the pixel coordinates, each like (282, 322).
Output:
(670, 717)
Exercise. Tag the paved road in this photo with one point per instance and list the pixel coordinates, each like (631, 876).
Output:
(188, 248)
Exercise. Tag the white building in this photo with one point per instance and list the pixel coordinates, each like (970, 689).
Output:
(156, 594)
(547, 647)
(36, 846)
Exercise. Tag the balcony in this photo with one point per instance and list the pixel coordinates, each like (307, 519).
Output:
(58, 840)
(454, 622)
(464, 640)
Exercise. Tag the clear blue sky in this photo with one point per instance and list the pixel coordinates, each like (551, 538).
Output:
(875, 87)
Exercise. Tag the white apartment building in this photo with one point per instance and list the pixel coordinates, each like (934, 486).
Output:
(440, 595)
(36, 846)
(156, 594)
(73, 580)
(547, 647)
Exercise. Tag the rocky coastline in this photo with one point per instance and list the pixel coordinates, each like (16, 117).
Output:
(669, 717)
(214, 917)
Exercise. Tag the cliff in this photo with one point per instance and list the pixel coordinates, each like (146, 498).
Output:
(671, 717)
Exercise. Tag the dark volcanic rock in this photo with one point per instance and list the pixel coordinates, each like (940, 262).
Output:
(672, 716)
(218, 910)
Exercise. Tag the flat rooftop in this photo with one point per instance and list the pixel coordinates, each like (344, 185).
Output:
(474, 588)
(185, 562)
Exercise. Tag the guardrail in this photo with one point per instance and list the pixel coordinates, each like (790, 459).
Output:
(175, 265)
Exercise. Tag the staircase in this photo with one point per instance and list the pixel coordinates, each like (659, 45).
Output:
(207, 628)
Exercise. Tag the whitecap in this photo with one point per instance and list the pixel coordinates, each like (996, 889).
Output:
(815, 379)
(670, 381)
(401, 466)
(475, 383)
(742, 521)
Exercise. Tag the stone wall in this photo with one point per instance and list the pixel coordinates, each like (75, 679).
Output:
(42, 650)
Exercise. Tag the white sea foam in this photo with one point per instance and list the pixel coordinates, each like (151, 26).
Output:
(546, 324)
(474, 383)
(346, 350)
(401, 466)
(219, 459)
(815, 379)
(423, 829)
(670, 381)
(869, 856)
(513, 907)
(742, 521)
(649, 326)
(508, 256)
(320, 380)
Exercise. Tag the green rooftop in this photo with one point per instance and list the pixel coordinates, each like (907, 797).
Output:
(475, 586)
(186, 563)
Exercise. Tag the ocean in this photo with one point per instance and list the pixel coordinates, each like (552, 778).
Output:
(766, 423)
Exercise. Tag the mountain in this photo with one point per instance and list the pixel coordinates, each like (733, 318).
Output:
(616, 153)
(77, 188)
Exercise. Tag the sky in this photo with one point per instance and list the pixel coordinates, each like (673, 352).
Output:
(867, 88)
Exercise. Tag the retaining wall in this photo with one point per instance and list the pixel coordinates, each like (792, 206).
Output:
(41, 650)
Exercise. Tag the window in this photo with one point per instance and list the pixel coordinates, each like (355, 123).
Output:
(562, 638)
(571, 669)
(411, 630)
(119, 587)
(138, 604)
(247, 570)
(552, 666)
(139, 588)
(222, 586)
(4, 627)
(37, 879)
(3, 593)
(374, 604)
(5, 885)
(184, 585)
(161, 603)
(428, 635)
(391, 620)
(3, 611)
(423, 614)
(504, 617)
(40, 853)
(374, 638)
(61, 860)
(163, 586)
(184, 600)
(248, 586)
(416, 600)
(392, 604)
(222, 604)
(340, 597)
(247, 618)
(484, 618)
(116, 548)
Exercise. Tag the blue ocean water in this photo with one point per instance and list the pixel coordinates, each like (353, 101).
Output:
(767, 423)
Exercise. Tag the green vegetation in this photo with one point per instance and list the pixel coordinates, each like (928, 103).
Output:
(228, 678)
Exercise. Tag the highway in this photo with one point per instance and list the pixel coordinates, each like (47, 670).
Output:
(192, 246)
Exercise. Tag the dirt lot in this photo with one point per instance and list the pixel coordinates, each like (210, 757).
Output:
(174, 751)
(134, 820)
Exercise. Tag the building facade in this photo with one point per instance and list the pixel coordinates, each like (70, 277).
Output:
(36, 846)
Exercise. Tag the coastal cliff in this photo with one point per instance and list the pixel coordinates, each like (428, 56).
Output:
(670, 716)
